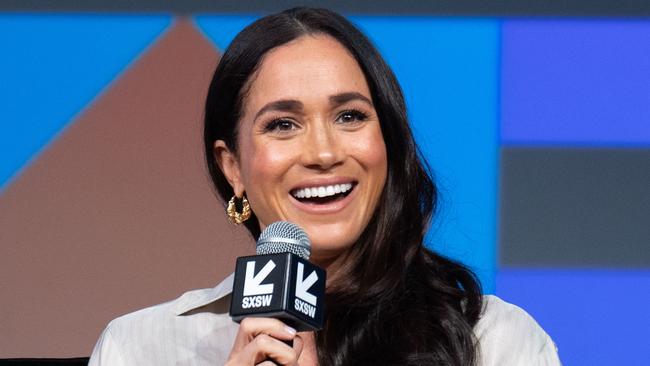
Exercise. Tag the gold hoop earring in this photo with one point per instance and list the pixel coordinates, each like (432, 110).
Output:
(238, 217)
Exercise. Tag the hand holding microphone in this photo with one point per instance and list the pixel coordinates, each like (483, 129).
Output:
(260, 340)
(276, 293)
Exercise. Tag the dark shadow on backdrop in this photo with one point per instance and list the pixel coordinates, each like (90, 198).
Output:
(631, 8)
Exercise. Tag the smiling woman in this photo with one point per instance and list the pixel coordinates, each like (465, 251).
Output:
(305, 122)
(307, 129)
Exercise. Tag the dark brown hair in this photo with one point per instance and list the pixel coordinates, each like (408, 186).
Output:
(399, 303)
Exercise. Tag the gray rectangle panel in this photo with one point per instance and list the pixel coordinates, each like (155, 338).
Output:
(575, 207)
(634, 8)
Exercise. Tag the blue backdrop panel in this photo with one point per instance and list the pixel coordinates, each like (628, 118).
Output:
(448, 70)
(52, 66)
(596, 317)
(581, 82)
(221, 29)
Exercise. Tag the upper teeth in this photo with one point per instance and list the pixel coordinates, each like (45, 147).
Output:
(322, 191)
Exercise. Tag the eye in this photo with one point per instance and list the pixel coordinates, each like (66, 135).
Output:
(351, 116)
(280, 126)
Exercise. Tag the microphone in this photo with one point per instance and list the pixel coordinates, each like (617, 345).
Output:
(280, 282)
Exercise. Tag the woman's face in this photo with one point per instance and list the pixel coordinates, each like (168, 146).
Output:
(310, 147)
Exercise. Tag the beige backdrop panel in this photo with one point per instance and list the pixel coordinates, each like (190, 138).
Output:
(118, 213)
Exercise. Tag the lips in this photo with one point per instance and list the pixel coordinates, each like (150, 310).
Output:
(324, 197)
(322, 191)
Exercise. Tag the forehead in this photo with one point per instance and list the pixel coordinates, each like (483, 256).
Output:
(310, 67)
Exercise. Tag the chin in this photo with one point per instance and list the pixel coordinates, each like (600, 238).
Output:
(325, 245)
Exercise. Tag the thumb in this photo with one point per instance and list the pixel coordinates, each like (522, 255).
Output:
(298, 344)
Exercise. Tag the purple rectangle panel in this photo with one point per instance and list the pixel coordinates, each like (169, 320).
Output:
(575, 82)
(595, 317)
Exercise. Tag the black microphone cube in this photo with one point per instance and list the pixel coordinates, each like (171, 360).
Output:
(282, 286)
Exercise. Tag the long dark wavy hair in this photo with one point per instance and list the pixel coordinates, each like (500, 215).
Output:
(398, 303)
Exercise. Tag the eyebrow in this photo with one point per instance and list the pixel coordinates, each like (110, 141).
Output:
(292, 105)
(343, 98)
(286, 105)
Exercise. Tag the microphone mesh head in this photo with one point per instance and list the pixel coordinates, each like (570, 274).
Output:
(283, 237)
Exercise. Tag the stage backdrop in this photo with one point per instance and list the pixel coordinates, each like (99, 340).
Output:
(538, 131)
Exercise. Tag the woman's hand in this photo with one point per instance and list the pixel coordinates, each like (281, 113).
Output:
(262, 340)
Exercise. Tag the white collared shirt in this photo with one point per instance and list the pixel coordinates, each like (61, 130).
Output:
(195, 329)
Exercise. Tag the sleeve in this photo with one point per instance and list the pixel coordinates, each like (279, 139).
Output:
(508, 336)
(107, 351)
(548, 354)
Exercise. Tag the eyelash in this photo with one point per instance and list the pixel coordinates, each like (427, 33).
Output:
(357, 114)
(275, 125)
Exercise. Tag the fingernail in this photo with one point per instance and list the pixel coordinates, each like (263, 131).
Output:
(290, 330)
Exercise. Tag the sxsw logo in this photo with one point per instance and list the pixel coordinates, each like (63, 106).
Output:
(258, 294)
(305, 302)
(255, 293)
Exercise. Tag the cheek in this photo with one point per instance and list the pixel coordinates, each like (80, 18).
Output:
(371, 153)
(261, 177)
(377, 157)
(264, 168)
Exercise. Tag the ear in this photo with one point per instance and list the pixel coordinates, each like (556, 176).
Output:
(229, 165)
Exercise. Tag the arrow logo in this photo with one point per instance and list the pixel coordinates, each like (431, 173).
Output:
(302, 284)
(253, 283)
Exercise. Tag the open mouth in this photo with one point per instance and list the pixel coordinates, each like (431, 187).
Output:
(323, 194)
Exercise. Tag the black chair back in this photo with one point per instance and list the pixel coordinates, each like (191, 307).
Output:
(80, 361)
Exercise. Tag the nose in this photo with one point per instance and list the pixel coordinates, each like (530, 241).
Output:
(322, 150)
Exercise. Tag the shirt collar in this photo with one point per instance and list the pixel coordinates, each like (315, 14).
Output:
(195, 299)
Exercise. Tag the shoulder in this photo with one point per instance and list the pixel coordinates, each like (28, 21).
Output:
(507, 335)
(115, 343)
(180, 313)
(171, 331)
(150, 317)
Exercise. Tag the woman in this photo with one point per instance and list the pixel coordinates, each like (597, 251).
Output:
(306, 123)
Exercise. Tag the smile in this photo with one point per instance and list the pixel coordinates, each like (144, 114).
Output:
(324, 198)
(322, 191)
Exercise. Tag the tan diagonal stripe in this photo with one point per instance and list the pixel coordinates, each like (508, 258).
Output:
(118, 213)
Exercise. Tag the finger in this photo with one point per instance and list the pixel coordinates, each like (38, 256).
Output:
(251, 327)
(298, 343)
(265, 347)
